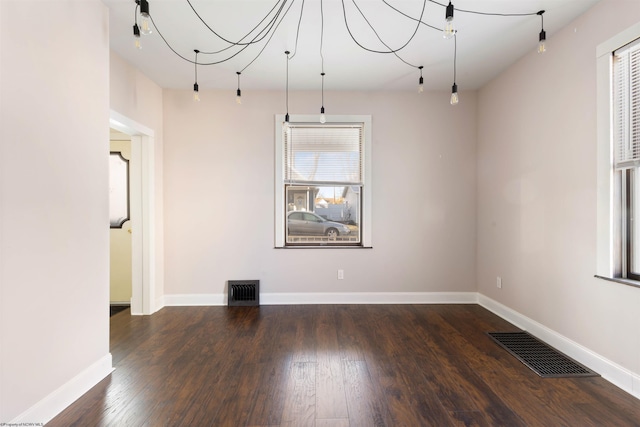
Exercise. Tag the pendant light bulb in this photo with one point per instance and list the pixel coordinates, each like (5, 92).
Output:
(454, 94)
(238, 92)
(136, 36)
(542, 48)
(420, 81)
(542, 38)
(449, 30)
(196, 94)
(145, 25)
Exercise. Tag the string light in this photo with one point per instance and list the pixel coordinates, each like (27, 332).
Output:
(449, 31)
(136, 35)
(454, 89)
(144, 14)
(238, 92)
(266, 28)
(542, 38)
(286, 117)
(136, 29)
(323, 118)
(196, 94)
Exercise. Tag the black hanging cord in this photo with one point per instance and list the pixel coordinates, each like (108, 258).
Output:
(344, 11)
(135, 13)
(298, 30)
(287, 86)
(322, 39)
(455, 55)
(475, 12)
(322, 74)
(195, 64)
(223, 60)
(378, 36)
(270, 37)
(238, 43)
(411, 17)
(257, 38)
(321, 55)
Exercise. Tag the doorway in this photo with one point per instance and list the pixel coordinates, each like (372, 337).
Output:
(120, 276)
(142, 222)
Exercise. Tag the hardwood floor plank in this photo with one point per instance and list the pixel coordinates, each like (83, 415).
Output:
(270, 394)
(366, 407)
(300, 398)
(335, 422)
(347, 319)
(332, 366)
(544, 405)
(469, 419)
(331, 401)
(412, 398)
(456, 367)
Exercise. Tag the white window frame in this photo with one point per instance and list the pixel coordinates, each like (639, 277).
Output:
(280, 213)
(608, 230)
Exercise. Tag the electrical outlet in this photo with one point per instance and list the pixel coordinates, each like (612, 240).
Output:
(499, 282)
(340, 274)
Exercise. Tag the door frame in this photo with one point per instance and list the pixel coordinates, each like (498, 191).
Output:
(142, 193)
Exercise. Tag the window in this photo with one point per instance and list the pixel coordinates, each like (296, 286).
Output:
(322, 182)
(626, 165)
(618, 160)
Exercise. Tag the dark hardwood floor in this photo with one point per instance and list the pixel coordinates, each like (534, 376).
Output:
(332, 366)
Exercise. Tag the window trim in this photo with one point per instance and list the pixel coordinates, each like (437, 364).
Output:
(279, 187)
(608, 250)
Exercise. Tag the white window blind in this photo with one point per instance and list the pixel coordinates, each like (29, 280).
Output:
(626, 102)
(327, 154)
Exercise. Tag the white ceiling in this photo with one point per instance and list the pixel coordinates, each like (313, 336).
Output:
(486, 44)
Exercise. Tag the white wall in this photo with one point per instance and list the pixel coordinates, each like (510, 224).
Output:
(537, 191)
(219, 195)
(135, 96)
(54, 241)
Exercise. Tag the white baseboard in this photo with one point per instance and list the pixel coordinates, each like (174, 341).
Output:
(331, 298)
(46, 409)
(159, 305)
(612, 372)
(194, 299)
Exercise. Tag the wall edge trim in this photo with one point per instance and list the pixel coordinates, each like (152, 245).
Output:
(57, 401)
(330, 298)
(609, 370)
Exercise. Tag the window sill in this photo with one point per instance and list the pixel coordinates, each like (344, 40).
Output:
(627, 282)
(323, 247)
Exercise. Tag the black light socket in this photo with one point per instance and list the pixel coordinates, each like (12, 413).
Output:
(449, 13)
(144, 8)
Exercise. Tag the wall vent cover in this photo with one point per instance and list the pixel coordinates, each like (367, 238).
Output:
(244, 293)
(539, 357)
